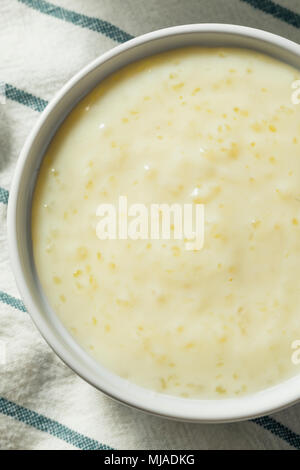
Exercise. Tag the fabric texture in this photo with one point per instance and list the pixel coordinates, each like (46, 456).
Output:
(43, 404)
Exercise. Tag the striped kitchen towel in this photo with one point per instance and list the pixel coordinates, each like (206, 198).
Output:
(43, 404)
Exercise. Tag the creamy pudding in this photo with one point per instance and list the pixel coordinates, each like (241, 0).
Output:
(204, 126)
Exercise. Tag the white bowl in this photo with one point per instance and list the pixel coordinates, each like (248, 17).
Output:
(19, 230)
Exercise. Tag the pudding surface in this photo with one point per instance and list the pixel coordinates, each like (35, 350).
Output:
(209, 126)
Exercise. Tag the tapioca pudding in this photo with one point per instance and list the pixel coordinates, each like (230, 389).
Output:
(205, 126)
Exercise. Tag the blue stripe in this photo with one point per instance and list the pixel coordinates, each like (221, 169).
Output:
(28, 100)
(12, 301)
(25, 98)
(4, 195)
(279, 430)
(277, 11)
(70, 16)
(44, 424)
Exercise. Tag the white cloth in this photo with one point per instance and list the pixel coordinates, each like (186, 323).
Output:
(43, 404)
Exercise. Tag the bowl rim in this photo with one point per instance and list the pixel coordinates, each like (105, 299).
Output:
(192, 410)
